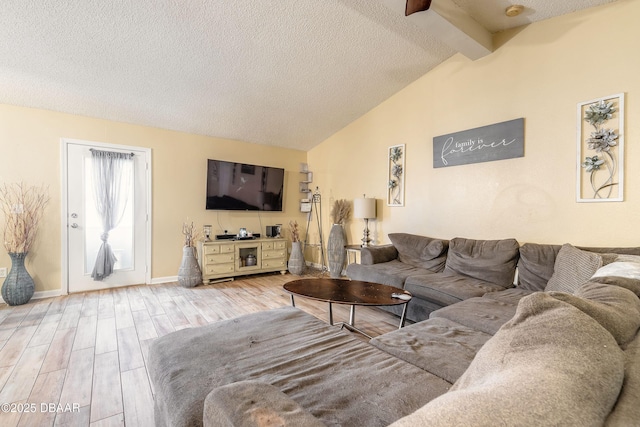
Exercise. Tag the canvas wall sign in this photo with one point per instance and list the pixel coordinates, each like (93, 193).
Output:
(498, 141)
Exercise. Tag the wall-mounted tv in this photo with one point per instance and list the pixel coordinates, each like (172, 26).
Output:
(244, 187)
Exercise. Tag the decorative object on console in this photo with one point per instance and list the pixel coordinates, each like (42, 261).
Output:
(206, 230)
(189, 274)
(273, 230)
(23, 207)
(337, 242)
(365, 208)
(395, 181)
(601, 150)
(296, 260)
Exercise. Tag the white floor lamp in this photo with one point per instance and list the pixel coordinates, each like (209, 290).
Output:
(365, 208)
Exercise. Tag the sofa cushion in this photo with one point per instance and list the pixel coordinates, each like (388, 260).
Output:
(393, 273)
(493, 261)
(420, 251)
(536, 263)
(627, 411)
(572, 268)
(551, 364)
(615, 308)
(447, 288)
(440, 346)
(511, 296)
(377, 254)
(325, 370)
(535, 266)
(483, 314)
(254, 404)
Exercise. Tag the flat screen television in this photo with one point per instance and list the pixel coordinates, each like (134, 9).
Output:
(244, 187)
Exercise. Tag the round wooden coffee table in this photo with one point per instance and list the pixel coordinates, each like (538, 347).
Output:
(349, 292)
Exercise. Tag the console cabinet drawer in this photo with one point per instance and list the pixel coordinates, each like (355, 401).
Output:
(273, 254)
(219, 269)
(279, 244)
(219, 258)
(273, 263)
(218, 249)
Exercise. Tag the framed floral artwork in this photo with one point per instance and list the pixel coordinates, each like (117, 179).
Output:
(395, 175)
(600, 168)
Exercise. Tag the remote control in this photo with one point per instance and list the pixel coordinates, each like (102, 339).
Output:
(401, 296)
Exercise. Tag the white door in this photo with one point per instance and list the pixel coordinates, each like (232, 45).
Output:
(129, 240)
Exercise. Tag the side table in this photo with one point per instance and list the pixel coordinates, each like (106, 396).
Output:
(353, 250)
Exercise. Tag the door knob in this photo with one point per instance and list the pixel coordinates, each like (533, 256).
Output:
(74, 225)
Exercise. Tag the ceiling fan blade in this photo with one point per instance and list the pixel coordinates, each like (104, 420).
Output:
(414, 6)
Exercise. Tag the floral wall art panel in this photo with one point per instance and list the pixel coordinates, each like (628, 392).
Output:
(395, 176)
(601, 150)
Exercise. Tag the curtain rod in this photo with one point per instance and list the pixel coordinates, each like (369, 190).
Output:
(115, 152)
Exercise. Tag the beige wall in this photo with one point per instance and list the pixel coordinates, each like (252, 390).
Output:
(539, 72)
(30, 147)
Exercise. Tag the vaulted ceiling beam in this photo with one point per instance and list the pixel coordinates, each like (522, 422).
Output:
(452, 25)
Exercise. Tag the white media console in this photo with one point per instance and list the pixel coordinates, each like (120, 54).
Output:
(222, 259)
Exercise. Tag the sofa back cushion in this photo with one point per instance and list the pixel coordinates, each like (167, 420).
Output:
(493, 261)
(535, 266)
(537, 261)
(420, 251)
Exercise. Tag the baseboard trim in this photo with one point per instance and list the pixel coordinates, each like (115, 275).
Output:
(160, 280)
(41, 295)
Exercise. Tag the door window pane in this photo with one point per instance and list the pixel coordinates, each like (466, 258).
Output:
(120, 238)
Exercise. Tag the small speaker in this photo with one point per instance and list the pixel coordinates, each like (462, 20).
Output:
(272, 231)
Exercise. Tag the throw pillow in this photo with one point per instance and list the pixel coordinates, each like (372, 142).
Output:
(420, 251)
(572, 268)
(620, 269)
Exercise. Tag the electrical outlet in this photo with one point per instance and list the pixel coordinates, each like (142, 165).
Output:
(3, 271)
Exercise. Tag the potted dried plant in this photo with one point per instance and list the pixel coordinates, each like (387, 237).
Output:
(296, 260)
(189, 274)
(23, 207)
(337, 242)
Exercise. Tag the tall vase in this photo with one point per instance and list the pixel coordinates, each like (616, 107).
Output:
(189, 274)
(336, 250)
(18, 287)
(296, 260)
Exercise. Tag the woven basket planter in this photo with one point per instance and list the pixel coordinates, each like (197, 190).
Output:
(18, 287)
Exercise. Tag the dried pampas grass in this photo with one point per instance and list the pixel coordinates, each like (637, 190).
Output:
(23, 207)
(295, 233)
(341, 211)
(191, 234)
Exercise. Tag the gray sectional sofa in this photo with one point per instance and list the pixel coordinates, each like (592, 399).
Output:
(440, 272)
(560, 348)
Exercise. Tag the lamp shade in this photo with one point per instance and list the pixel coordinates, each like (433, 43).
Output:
(364, 208)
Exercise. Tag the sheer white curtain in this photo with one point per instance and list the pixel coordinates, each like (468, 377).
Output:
(112, 175)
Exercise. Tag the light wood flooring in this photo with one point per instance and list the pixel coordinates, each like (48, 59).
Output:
(81, 359)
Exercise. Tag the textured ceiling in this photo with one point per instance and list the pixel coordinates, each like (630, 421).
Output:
(288, 73)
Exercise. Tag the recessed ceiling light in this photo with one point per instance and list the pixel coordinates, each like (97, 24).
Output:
(514, 10)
